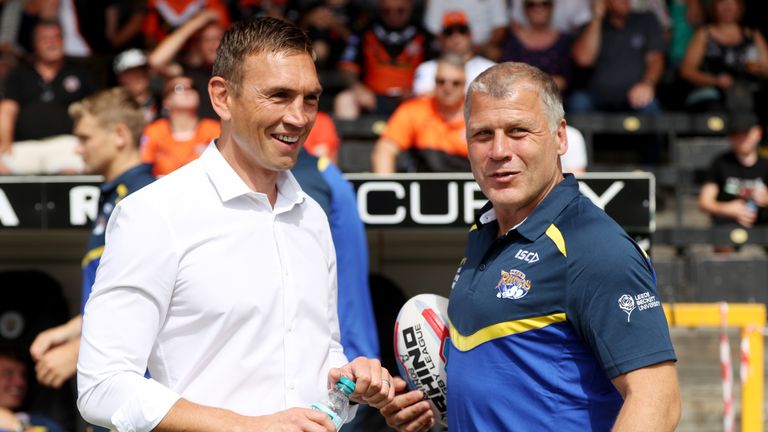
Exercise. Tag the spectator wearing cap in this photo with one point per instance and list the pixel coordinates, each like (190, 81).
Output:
(132, 72)
(734, 191)
(42, 90)
(430, 129)
(489, 20)
(172, 142)
(539, 44)
(378, 66)
(624, 52)
(456, 38)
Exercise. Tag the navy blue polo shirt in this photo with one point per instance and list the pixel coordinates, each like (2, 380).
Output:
(545, 316)
(110, 194)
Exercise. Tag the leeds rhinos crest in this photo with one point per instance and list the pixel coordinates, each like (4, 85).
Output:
(512, 285)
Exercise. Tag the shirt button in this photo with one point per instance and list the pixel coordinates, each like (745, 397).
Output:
(290, 328)
(481, 267)
(291, 385)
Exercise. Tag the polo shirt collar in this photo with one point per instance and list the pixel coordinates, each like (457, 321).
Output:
(229, 185)
(545, 213)
(139, 170)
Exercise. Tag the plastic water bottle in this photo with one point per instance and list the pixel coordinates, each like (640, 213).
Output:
(752, 205)
(337, 405)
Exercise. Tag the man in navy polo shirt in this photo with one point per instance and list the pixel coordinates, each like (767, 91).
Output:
(108, 126)
(555, 318)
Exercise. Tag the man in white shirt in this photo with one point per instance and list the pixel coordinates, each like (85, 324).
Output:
(456, 38)
(220, 279)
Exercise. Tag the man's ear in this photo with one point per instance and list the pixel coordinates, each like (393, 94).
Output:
(220, 93)
(562, 137)
(123, 136)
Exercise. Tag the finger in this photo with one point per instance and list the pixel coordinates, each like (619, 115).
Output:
(319, 421)
(423, 423)
(39, 347)
(58, 381)
(410, 417)
(384, 395)
(361, 369)
(334, 375)
(399, 384)
(402, 402)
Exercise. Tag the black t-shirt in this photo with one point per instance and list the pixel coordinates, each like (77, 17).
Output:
(735, 180)
(43, 105)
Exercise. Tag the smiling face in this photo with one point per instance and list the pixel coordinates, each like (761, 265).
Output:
(13, 383)
(274, 110)
(513, 152)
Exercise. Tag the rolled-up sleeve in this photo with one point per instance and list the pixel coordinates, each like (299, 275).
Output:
(123, 316)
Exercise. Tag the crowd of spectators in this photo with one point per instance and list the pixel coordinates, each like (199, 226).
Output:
(409, 61)
(646, 56)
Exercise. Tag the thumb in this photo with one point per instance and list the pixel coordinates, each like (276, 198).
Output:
(334, 375)
(400, 385)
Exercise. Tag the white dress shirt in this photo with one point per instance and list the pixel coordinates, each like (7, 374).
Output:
(227, 301)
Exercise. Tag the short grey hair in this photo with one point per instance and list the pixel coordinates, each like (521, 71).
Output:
(502, 81)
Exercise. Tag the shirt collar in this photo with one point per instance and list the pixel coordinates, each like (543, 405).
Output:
(229, 185)
(139, 170)
(544, 214)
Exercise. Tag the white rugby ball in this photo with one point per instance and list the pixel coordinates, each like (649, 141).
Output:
(421, 338)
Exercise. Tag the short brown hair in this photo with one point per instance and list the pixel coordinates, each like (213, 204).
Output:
(256, 36)
(111, 107)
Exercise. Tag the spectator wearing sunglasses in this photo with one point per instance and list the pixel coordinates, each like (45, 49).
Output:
(429, 129)
(180, 138)
(488, 19)
(539, 44)
(456, 38)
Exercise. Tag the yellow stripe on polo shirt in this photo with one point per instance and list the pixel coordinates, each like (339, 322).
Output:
(92, 255)
(557, 237)
(500, 330)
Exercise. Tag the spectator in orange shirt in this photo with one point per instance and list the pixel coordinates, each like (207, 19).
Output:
(379, 65)
(323, 140)
(172, 142)
(431, 128)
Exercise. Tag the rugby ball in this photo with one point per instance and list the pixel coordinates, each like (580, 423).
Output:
(421, 341)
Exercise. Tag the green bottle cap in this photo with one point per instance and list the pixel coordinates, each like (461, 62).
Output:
(346, 385)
